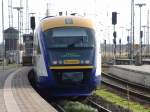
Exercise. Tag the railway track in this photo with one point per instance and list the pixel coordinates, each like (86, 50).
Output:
(97, 106)
(124, 86)
(141, 87)
(89, 101)
(58, 107)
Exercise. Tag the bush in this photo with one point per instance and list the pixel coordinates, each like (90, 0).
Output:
(78, 107)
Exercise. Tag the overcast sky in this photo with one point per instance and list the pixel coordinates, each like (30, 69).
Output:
(100, 10)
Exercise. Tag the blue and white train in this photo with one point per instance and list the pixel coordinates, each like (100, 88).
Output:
(67, 58)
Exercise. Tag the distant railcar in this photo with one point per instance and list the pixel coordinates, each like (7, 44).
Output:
(67, 58)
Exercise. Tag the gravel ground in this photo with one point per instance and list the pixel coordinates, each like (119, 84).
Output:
(109, 105)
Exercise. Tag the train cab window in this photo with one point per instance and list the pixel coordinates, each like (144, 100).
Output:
(69, 38)
(61, 32)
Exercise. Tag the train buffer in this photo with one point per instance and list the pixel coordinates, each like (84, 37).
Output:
(18, 95)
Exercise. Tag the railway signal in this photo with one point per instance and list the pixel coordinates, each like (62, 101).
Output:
(114, 22)
(114, 18)
(32, 22)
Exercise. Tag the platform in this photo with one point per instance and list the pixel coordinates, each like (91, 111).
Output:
(136, 74)
(19, 96)
(128, 61)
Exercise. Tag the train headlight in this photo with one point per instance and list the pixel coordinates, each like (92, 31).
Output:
(82, 62)
(87, 61)
(54, 62)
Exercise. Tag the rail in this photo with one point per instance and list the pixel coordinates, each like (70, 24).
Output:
(59, 108)
(126, 82)
(99, 107)
(132, 92)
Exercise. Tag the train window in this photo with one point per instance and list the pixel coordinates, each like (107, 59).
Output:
(61, 32)
(69, 37)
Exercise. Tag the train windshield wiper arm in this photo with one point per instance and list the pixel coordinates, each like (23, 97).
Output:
(74, 43)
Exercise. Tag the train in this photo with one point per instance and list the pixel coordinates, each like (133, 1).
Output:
(67, 58)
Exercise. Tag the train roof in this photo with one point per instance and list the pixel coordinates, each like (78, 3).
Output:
(64, 21)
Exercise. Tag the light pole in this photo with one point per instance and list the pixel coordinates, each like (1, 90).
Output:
(120, 47)
(147, 39)
(148, 32)
(3, 33)
(104, 48)
(144, 26)
(129, 44)
(121, 37)
(18, 9)
(131, 39)
(109, 47)
(140, 6)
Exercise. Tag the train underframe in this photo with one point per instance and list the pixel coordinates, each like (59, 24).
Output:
(54, 84)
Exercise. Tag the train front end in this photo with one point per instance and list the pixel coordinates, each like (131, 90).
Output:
(71, 57)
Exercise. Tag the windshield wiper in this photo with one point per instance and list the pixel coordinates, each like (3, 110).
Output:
(74, 43)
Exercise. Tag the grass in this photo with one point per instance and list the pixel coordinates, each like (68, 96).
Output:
(78, 107)
(111, 97)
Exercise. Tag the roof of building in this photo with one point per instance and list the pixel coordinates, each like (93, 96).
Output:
(11, 30)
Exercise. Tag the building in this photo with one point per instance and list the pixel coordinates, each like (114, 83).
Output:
(28, 44)
(11, 36)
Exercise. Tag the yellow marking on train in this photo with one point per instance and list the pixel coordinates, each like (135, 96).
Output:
(59, 21)
(71, 67)
(71, 61)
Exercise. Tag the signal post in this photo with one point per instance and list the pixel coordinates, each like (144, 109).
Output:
(114, 22)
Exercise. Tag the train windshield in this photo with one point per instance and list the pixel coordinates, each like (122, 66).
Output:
(69, 37)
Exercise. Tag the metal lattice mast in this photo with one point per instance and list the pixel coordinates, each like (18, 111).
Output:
(10, 13)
